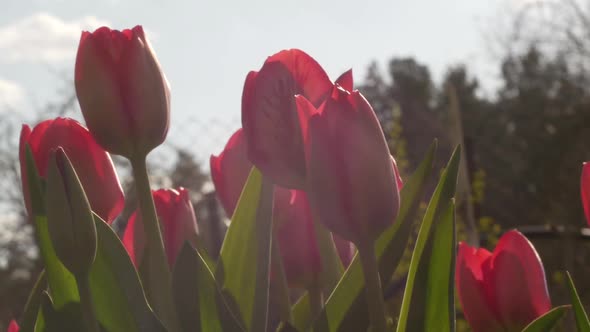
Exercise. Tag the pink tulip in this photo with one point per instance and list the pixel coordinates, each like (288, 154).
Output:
(230, 171)
(269, 115)
(123, 94)
(352, 184)
(13, 326)
(92, 164)
(177, 221)
(295, 232)
(585, 190)
(504, 290)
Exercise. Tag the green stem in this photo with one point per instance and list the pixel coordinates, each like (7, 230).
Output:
(86, 302)
(316, 302)
(374, 291)
(156, 278)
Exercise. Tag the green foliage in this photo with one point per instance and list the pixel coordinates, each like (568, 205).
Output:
(429, 296)
(548, 321)
(244, 263)
(580, 314)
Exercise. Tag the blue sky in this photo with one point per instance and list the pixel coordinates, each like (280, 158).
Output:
(206, 48)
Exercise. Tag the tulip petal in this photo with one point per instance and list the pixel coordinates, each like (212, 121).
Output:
(345, 80)
(270, 118)
(351, 179)
(230, 171)
(473, 295)
(517, 269)
(585, 190)
(297, 240)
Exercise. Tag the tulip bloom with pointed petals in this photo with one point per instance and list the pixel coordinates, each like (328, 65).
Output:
(123, 94)
(585, 190)
(230, 171)
(269, 115)
(177, 221)
(504, 290)
(13, 326)
(92, 164)
(351, 181)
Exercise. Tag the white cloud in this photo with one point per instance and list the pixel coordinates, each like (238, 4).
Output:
(42, 37)
(12, 95)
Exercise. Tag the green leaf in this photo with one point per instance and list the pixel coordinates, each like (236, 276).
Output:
(428, 302)
(581, 317)
(119, 301)
(197, 296)
(27, 323)
(62, 284)
(346, 309)
(66, 319)
(548, 321)
(244, 262)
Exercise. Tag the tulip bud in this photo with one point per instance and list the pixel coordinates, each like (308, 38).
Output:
(93, 165)
(69, 217)
(123, 94)
(269, 115)
(504, 290)
(178, 224)
(351, 181)
(585, 190)
(13, 326)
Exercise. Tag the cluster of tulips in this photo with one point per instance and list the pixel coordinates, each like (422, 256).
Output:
(319, 213)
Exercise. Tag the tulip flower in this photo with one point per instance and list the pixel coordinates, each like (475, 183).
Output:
(504, 290)
(585, 190)
(177, 220)
(270, 118)
(93, 165)
(229, 172)
(123, 94)
(13, 326)
(352, 184)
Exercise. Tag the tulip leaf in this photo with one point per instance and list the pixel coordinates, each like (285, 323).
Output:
(548, 321)
(119, 301)
(198, 299)
(62, 285)
(581, 317)
(428, 303)
(244, 262)
(346, 308)
(27, 323)
(67, 318)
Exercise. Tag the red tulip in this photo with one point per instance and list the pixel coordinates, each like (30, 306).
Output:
(351, 181)
(504, 290)
(123, 94)
(92, 164)
(585, 189)
(295, 232)
(13, 326)
(296, 238)
(270, 118)
(177, 220)
(230, 171)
